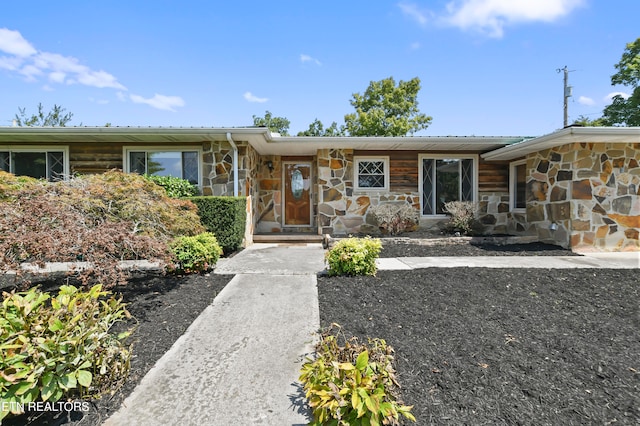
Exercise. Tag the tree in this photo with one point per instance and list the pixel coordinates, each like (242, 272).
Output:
(585, 121)
(387, 110)
(55, 117)
(317, 129)
(626, 112)
(275, 124)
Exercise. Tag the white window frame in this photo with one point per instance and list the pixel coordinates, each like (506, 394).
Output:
(158, 148)
(45, 149)
(356, 163)
(513, 177)
(452, 156)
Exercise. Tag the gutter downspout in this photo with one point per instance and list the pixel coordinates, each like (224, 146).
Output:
(235, 164)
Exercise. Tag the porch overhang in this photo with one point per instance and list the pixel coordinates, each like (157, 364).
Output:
(565, 136)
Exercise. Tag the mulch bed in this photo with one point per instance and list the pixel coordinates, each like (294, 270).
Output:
(453, 247)
(163, 308)
(502, 346)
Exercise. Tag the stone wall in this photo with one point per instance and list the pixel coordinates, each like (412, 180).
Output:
(217, 163)
(343, 210)
(496, 218)
(590, 191)
(269, 194)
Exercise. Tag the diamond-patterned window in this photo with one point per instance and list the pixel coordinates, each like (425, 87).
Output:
(445, 180)
(49, 165)
(181, 164)
(372, 173)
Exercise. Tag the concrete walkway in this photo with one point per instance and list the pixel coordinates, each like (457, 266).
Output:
(239, 362)
(588, 260)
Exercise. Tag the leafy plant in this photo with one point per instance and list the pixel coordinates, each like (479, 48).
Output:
(196, 254)
(175, 187)
(354, 256)
(462, 217)
(395, 219)
(58, 347)
(352, 383)
(224, 216)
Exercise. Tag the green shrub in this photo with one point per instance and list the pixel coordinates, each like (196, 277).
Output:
(354, 256)
(59, 347)
(352, 384)
(196, 254)
(175, 187)
(225, 217)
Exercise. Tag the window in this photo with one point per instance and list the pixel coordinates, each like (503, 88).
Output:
(181, 164)
(518, 185)
(372, 173)
(444, 179)
(35, 162)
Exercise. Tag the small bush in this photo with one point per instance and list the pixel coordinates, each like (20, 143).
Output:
(462, 217)
(354, 256)
(225, 217)
(59, 347)
(353, 383)
(394, 219)
(10, 184)
(196, 254)
(174, 186)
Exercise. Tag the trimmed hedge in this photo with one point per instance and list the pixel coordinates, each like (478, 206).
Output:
(225, 217)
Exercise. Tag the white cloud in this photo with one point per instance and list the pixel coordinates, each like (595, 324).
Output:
(166, 103)
(24, 59)
(13, 43)
(490, 17)
(412, 11)
(121, 96)
(252, 98)
(415, 46)
(306, 58)
(611, 95)
(584, 100)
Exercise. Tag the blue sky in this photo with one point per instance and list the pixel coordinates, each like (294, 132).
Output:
(487, 67)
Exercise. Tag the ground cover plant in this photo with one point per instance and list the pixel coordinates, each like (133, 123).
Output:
(350, 382)
(59, 346)
(502, 346)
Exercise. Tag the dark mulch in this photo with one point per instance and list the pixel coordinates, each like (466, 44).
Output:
(481, 346)
(452, 247)
(163, 308)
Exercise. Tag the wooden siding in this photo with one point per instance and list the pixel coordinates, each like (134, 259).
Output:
(493, 176)
(404, 171)
(95, 158)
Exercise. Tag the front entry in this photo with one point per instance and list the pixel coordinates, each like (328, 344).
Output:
(297, 193)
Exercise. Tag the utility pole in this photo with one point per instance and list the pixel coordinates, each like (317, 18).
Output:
(568, 92)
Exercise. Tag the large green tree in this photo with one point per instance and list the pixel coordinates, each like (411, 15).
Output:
(275, 124)
(55, 117)
(387, 109)
(626, 112)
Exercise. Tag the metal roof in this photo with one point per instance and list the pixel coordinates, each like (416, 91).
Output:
(264, 141)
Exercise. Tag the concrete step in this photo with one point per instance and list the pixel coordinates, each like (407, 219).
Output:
(282, 237)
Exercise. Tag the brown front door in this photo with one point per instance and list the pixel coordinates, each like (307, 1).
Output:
(297, 193)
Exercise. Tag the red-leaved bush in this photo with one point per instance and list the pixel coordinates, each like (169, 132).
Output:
(99, 219)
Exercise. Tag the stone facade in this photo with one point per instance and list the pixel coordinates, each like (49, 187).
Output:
(341, 208)
(590, 191)
(496, 218)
